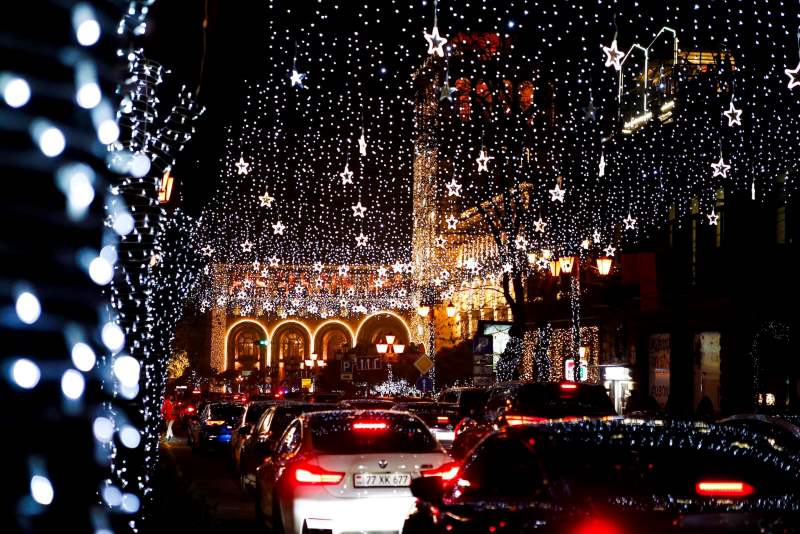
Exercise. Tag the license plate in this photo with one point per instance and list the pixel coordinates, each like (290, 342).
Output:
(381, 480)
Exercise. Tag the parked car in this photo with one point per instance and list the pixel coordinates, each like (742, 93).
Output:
(468, 399)
(252, 413)
(521, 403)
(441, 418)
(214, 426)
(259, 442)
(367, 404)
(346, 471)
(614, 477)
(782, 429)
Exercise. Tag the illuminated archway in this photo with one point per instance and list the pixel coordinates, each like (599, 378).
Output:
(391, 321)
(230, 338)
(332, 336)
(291, 343)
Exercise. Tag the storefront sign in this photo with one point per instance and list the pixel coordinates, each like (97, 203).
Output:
(659, 367)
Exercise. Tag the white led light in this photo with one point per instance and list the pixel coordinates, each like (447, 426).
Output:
(88, 95)
(112, 336)
(25, 373)
(100, 271)
(126, 369)
(103, 429)
(130, 437)
(123, 223)
(28, 307)
(41, 490)
(72, 384)
(81, 192)
(140, 165)
(83, 357)
(108, 131)
(112, 495)
(16, 91)
(51, 142)
(130, 503)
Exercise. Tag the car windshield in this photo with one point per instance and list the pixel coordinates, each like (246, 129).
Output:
(429, 413)
(255, 410)
(226, 411)
(550, 400)
(369, 432)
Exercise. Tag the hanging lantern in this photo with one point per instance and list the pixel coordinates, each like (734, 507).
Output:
(390, 339)
(399, 348)
(604, 265)
(566, 264)
(381, 348)
(165, 189)
(451, 309)
(555, 268)
(423, 310)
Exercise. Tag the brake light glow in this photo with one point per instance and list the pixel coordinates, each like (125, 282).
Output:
(316, 476)
(215, 422)
(597, 525)
(515, 420)
(569, 386)
(442, 419)
(447, 471)
(369, 425)
(190, 409)
(723, 488)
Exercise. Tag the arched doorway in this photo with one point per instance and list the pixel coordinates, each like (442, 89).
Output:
(291, 342)
(374, 328)
(332, 339)
(246, 347)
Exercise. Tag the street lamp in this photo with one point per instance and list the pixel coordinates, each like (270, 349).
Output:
(314, 364)
(390, 349)
(451, 309)
(604, 265)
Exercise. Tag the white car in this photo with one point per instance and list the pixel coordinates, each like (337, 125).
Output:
(347, 471)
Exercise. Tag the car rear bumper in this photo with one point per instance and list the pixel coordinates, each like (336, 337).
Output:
(338, 515)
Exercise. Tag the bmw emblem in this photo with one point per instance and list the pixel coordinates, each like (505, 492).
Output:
(383, 463)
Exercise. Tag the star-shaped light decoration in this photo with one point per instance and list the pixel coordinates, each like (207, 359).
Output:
(601, 168)
(435, 42)
(247, 246)
(207, 250)
(440, 241)
(507, 267)
(609, 251)
(278, 228)
(720, 168)
(347, 175)
(557, 194)
(734, 115)
(520, 242)
(382, 271)
(297, 78)
(471, 264)
(256, 264)
(596, 236)
(712, 218)
(483, 161)
(453, 188)
(343, 270)
(613, 55)
(446, 92)
(539, 225)
(452, 220)
(398, 267)
(362, 145)
(358, 210)
(361, 240)
(319, 282)
(242, 167)
(266, 200)
(543, 263)
(794, 76)
(318, 266)
(274, 261)
(630, 222)
(379, 283)
(589, 111)
(265, 271)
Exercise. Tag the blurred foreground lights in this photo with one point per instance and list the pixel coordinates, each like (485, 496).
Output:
(103, 429)
(28, 307)
(49, 138)
(101, 271)
(140, 165)
(76, 181)
(88, 95)
(112, 495)
(112, 336)
(123, 223)
(108, 131)
(83, 357)
(25, 373)
(41, 490)
(16, 91)
(84, 22)
(72, 384)
(126, 369)
(130, 437)
(130, 503)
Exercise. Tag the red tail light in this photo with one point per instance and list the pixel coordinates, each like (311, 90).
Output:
(568, 386)
(316, 476)
(190, 409)
(597, 526)
(514, 420)
(369, 425)
(723, 488)
(442, 419)
(447, 471)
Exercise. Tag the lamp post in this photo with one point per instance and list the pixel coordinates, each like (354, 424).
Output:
(314, 364)
(425, 310)
(390, 351)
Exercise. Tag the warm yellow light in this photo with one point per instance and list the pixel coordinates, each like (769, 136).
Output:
(582, 352)
(555, 268)
(309, 363)
(390, 339)
(165, 189)
(313, 356)
(399, 348)
(423, 310)
(566, 263)
(381, 348)
(604, 265)
(546, 254)
(451, 310)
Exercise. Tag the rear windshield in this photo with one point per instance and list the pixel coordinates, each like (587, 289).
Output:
(226, 411)
(286, 414)
(338, 434)
(551, 401)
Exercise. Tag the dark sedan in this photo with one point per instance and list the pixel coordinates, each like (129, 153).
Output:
(213, 427)
(441, 418)
(611, 477)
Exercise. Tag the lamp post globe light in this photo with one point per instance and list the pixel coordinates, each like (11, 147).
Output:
(389, 351)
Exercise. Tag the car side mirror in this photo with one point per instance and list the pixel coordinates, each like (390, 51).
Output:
(428, 489)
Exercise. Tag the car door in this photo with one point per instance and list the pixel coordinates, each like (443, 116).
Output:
(268, 473)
